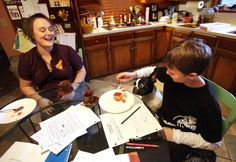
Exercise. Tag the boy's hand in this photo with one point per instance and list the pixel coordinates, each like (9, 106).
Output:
(126, 76)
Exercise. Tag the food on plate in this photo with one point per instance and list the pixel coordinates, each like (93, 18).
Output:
(117, 96)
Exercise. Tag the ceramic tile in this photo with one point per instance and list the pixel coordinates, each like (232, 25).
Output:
(230, 141)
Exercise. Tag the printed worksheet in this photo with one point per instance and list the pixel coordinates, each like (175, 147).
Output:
(135, 123)
(74, 120)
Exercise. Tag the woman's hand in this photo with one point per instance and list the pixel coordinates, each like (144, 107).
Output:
(168, 133)
(68, 96)
(43, 102)
(126, 76)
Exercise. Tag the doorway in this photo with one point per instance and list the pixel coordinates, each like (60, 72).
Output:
(8, 81)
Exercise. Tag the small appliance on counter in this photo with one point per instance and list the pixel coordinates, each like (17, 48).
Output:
(153, 12)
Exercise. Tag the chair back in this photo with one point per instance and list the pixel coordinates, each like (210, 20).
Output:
(227, 102)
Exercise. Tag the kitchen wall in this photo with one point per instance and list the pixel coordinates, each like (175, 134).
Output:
(192, 6)
(225, 17)
(113, 7)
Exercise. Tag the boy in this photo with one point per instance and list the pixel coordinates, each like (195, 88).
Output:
(190, 114)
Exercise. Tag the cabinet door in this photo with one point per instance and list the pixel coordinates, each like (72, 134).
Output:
(210, 40)
(121, 45)
(179, 35)
(162, 43)
(98, 60)
(143, 47)
(122, 55)
(224, 64)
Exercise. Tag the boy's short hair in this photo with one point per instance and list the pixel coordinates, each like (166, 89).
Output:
(189, 56)
(28, 25)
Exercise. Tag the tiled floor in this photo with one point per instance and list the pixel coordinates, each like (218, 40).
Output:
(227, 153)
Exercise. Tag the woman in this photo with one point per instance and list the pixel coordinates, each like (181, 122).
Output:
(48, 64)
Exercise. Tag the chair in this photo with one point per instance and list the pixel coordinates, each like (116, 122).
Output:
(227, 104)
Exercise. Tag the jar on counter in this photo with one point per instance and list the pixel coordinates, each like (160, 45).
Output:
(100, 22)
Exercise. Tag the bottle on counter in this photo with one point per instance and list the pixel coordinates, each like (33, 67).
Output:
(124, 17)
(147, 15)
(174, 17)
(121, 19)
(111, 23)
(100, 22)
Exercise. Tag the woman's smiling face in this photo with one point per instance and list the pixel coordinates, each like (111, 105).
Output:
(43, 33)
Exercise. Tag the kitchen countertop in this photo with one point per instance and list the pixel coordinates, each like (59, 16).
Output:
(220, 32)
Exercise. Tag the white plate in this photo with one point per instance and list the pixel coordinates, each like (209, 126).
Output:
(12, 116)
(110, 105)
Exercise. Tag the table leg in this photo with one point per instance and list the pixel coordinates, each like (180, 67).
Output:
(32, 124)
(21, 128)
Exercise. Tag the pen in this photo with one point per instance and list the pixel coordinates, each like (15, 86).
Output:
(135, 147)
(142, 144)
(143, 138)
(130, 115)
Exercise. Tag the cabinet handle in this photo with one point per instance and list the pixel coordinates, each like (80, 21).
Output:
(96, 41)
(180, 35)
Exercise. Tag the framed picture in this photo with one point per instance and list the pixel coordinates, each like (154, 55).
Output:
(14, 12)
(59, 3)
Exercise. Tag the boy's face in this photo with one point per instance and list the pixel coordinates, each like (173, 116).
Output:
(176, 75)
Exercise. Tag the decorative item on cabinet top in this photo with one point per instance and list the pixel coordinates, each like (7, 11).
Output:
(87, 28)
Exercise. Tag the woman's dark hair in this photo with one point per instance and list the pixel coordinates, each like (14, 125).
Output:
(28, 25)
(189, 56)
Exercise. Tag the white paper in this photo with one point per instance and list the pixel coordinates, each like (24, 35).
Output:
(30, 7)
(45, 144)
(141, 123)
(22, 12)
(83, 156)
(122, 158)
(43, 9)
(63, 125)
(67, 39)
(86, 116)
(102, 156)
(60, 130)
(24, 152)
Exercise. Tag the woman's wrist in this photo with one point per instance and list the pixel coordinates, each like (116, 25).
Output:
(75, 86)
(39, 99)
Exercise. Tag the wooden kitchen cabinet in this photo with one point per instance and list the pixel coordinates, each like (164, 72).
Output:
(143, 47)
(97, 56)
(222, 70)
(179, 35)
(118, 52)
(162, 42)
(211, 41)
(121, 45)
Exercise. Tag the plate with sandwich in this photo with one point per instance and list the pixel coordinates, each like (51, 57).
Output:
(116, 101)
